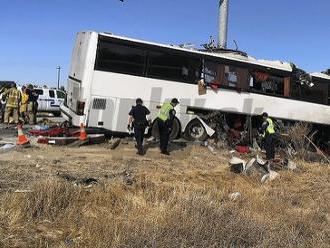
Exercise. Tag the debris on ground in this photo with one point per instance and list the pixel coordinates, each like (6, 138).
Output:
(242, 149)
(23, 191)
(210, 144)
(114, 143)
(7, 147)
(257, 168)
(237, 165)
(234, 196)
(86, 181)
(249, 164)
(72, 141)
(269, 176)
(54, 131)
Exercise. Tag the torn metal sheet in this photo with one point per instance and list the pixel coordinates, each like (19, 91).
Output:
(208, 129)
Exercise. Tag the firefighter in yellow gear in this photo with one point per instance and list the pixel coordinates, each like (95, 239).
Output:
(24, 105)
(12, 97)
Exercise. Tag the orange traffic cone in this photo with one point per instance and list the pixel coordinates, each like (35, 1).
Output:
(83, 134)
(22, 140)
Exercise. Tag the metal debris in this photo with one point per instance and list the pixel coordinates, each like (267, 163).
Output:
(234, 196)
(269, 176)
(237, 165)
(114, 143)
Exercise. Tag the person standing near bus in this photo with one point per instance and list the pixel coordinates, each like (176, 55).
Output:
(24, 104)
(139, 120)
(32, 106)
(2, 105)
(165, 123)
(12, 97)
(267, 130)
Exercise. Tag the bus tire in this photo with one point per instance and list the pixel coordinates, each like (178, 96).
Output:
(195, 131)
(175, 129)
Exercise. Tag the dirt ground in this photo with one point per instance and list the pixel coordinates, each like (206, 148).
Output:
(93, 196)
(23, 166)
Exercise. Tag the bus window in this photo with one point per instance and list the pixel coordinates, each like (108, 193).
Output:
(266, 83)
(316, 93)
(212, 72)
(173, 67)
(120, 58)
(230, 76)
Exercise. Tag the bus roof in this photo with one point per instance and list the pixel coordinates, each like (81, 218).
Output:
(279, 65)
(320, 75)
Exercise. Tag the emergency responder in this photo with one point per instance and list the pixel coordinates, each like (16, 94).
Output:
(139, 120)
(165, 123)
(2, 105)
(24, 104)
(12, 97)
(32, 106)
(267, 130)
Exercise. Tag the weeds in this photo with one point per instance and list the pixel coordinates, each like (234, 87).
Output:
(291, 212)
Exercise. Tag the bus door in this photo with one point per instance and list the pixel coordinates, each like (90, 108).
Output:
(73, 96)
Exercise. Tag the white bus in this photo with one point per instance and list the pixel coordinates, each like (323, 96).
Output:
(108, 72)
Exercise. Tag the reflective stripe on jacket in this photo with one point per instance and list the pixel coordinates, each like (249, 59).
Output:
(24, 102)
(164, 113)
(270, 129)
(13, 98)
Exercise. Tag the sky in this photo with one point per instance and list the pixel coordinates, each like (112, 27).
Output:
(36, 36)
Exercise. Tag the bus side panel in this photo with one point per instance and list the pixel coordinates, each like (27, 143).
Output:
(125, 105)
(73, 94)
(79, 55)
(81, 72)
(77, 69)
(102, 112)
(126, 86)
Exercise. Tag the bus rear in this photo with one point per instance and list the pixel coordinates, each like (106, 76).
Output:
(79, 78)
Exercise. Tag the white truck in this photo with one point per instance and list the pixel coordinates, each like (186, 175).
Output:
(50, 100)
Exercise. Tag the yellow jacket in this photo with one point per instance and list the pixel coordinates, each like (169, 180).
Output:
(24, 103)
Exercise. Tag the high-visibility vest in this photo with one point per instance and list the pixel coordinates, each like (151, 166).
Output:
(164, 113)
(270, 129)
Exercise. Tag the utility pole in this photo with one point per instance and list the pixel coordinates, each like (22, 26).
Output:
(223, 23)
(58, 68)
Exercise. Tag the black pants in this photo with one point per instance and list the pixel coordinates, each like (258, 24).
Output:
(164, 134)
(138, 134)
(2, 111)
(270, 146)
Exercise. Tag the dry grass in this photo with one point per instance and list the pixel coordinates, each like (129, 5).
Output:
(298, 133)
(175, 205)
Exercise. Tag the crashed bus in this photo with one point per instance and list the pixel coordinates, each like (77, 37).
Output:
(108, 72)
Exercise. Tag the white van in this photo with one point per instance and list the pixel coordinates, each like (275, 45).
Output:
(50, 100)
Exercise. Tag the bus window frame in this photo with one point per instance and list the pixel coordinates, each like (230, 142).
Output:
(284, 74)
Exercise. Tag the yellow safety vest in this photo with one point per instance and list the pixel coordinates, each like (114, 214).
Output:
(270, 128)
(164, 113)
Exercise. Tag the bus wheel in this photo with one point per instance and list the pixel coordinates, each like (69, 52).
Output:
(155, 130)
(195, 131)
(175, 129)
